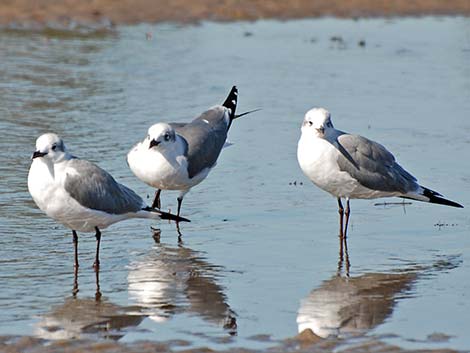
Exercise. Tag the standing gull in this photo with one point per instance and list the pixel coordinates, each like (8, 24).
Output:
(79, 194)
(353, 167)
(178, 156)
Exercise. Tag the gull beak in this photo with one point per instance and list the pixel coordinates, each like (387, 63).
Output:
(153, 143)
(37, 154)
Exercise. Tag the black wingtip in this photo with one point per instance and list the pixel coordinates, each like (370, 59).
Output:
(435, 197)
(231, 101)
(166, 215)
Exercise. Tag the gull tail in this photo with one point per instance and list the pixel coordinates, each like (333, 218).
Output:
(428, 195)
(156, 213)
(231, 102)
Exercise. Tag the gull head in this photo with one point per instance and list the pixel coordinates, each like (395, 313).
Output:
(317, 122)
(49, 147)
(160, 136)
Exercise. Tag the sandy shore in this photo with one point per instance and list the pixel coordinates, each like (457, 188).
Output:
(108, 12)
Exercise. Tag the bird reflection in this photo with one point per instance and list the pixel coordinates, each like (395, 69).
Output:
(87, 318)
(346, 306)
(172, 280)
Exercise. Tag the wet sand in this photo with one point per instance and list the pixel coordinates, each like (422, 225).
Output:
(304, 342)
(105, 13)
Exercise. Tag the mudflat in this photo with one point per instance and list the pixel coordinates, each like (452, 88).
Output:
(109, 12)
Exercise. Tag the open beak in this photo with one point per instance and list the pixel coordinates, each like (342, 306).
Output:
(153, 143)
(37, 154)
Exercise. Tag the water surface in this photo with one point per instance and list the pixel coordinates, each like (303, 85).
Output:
(260, 258)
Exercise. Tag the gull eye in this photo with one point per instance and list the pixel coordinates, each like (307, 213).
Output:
(54, 147)
(167, 137)
(310, 123)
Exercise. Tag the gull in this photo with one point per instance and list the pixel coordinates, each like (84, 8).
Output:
(354, 167)
(79, 194)
(178, 156)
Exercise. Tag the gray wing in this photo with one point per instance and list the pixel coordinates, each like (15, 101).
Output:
(205, 136)
(95, 188)
(374, 166)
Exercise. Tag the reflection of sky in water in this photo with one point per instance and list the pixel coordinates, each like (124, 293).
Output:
(274, 242)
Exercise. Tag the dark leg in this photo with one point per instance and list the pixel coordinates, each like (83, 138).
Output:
(96, 265)
(346, 254)
(75, 282)
(341, 257)
(75, 247)
(180, 201)
(98, 292)
(341, 213)
(347, 212)
(156, 201)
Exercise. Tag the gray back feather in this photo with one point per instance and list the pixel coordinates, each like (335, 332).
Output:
(375, 167)
(205, 136)
(95, 188)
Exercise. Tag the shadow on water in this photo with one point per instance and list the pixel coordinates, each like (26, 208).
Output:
(172, 280)
(345, 306)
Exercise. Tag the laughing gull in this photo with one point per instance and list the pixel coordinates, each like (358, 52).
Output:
(178, 156)
(79, 194)
(353, 167)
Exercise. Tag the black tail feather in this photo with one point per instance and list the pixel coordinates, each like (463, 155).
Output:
(231, 102)
(435, 197)
(246, 113)
(166, 215)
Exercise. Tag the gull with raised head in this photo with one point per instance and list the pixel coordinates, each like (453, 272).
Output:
(354, 167)
(178, 156)
(79, 194)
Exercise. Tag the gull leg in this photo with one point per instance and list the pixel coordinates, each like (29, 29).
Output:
(347, 212)
(75, 247)
(346, 254)
(156, 201)
(98, 292)
(75, 282)
(180, 201)
(96, 265)
(340, 261)
(341, 213)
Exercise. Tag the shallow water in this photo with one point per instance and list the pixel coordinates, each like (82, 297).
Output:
(260, 258)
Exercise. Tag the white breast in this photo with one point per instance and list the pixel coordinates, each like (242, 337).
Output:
(46, 186)
(318, 160)
(166, 170)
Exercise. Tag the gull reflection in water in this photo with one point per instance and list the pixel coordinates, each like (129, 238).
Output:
(346, 306)
(172, 280)
(87, 318)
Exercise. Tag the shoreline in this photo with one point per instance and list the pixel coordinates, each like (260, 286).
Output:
(99, 14)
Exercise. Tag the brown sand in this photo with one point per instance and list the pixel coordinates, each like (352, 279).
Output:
(93, 12)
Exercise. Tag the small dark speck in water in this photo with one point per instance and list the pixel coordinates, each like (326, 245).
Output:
(340, 43)
(313, 40)
(362, 43)
(248, 34)
(338, 39)
(392, 203)
(225, 220)
(440, 224)
(295, 183)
